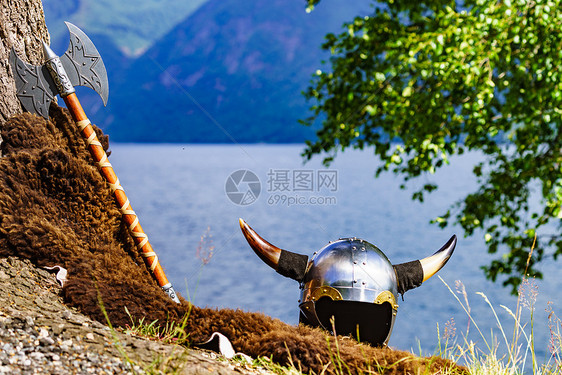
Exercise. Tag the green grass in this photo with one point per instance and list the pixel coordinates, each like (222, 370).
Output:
(116, 340)
(517, 344)
(169, 333)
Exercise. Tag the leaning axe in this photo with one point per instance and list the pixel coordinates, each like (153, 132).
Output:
(82, 65)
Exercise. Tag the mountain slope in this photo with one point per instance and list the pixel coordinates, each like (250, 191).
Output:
(233, 71)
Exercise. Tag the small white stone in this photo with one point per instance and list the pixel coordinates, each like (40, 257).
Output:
(37, 355)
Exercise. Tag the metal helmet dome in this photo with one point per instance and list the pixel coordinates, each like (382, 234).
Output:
(349, 287)
(350, 270)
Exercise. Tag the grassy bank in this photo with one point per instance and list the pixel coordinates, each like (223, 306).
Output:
(512, 350)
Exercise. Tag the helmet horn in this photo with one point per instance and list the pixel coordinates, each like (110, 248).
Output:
(410, 275)
(286, 263)
(435, 262)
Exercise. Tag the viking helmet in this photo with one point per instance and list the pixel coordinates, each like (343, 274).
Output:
(349, 287)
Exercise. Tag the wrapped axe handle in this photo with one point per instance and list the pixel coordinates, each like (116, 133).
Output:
(100, 157)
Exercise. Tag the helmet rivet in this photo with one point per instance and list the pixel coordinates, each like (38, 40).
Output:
(364, 263)
(353, 248)
(355, 281)
(363, 248)
(354, 262)
(364, 283)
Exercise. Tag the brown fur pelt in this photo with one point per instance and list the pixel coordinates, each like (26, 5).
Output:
(55, 209)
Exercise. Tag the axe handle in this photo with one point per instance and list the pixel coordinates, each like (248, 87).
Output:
(129, 216)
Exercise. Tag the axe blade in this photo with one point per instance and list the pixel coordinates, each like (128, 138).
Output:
(34, 86)
(83, 63)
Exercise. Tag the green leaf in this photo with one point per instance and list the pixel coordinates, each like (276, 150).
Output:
(407, 91)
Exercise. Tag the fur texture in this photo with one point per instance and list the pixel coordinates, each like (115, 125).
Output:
(55, 209)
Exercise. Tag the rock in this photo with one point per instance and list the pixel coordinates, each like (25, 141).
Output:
(45, 341)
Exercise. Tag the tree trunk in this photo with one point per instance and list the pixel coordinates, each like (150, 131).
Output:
(22, 26)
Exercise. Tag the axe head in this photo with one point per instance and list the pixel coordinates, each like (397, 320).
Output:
(81, 61)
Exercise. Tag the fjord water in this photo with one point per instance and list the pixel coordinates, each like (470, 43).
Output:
(178, 192)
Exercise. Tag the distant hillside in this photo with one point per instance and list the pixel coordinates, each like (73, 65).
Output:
(233, 71)
(132, 25)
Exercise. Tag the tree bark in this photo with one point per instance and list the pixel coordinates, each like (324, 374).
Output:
(22, 26)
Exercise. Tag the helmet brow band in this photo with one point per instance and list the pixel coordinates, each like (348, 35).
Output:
(325, 291)
(409, 275)
(292, 265)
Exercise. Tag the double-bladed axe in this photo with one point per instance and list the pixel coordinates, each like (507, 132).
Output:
(81, 65)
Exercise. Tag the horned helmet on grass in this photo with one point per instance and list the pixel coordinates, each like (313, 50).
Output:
(349, 287)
